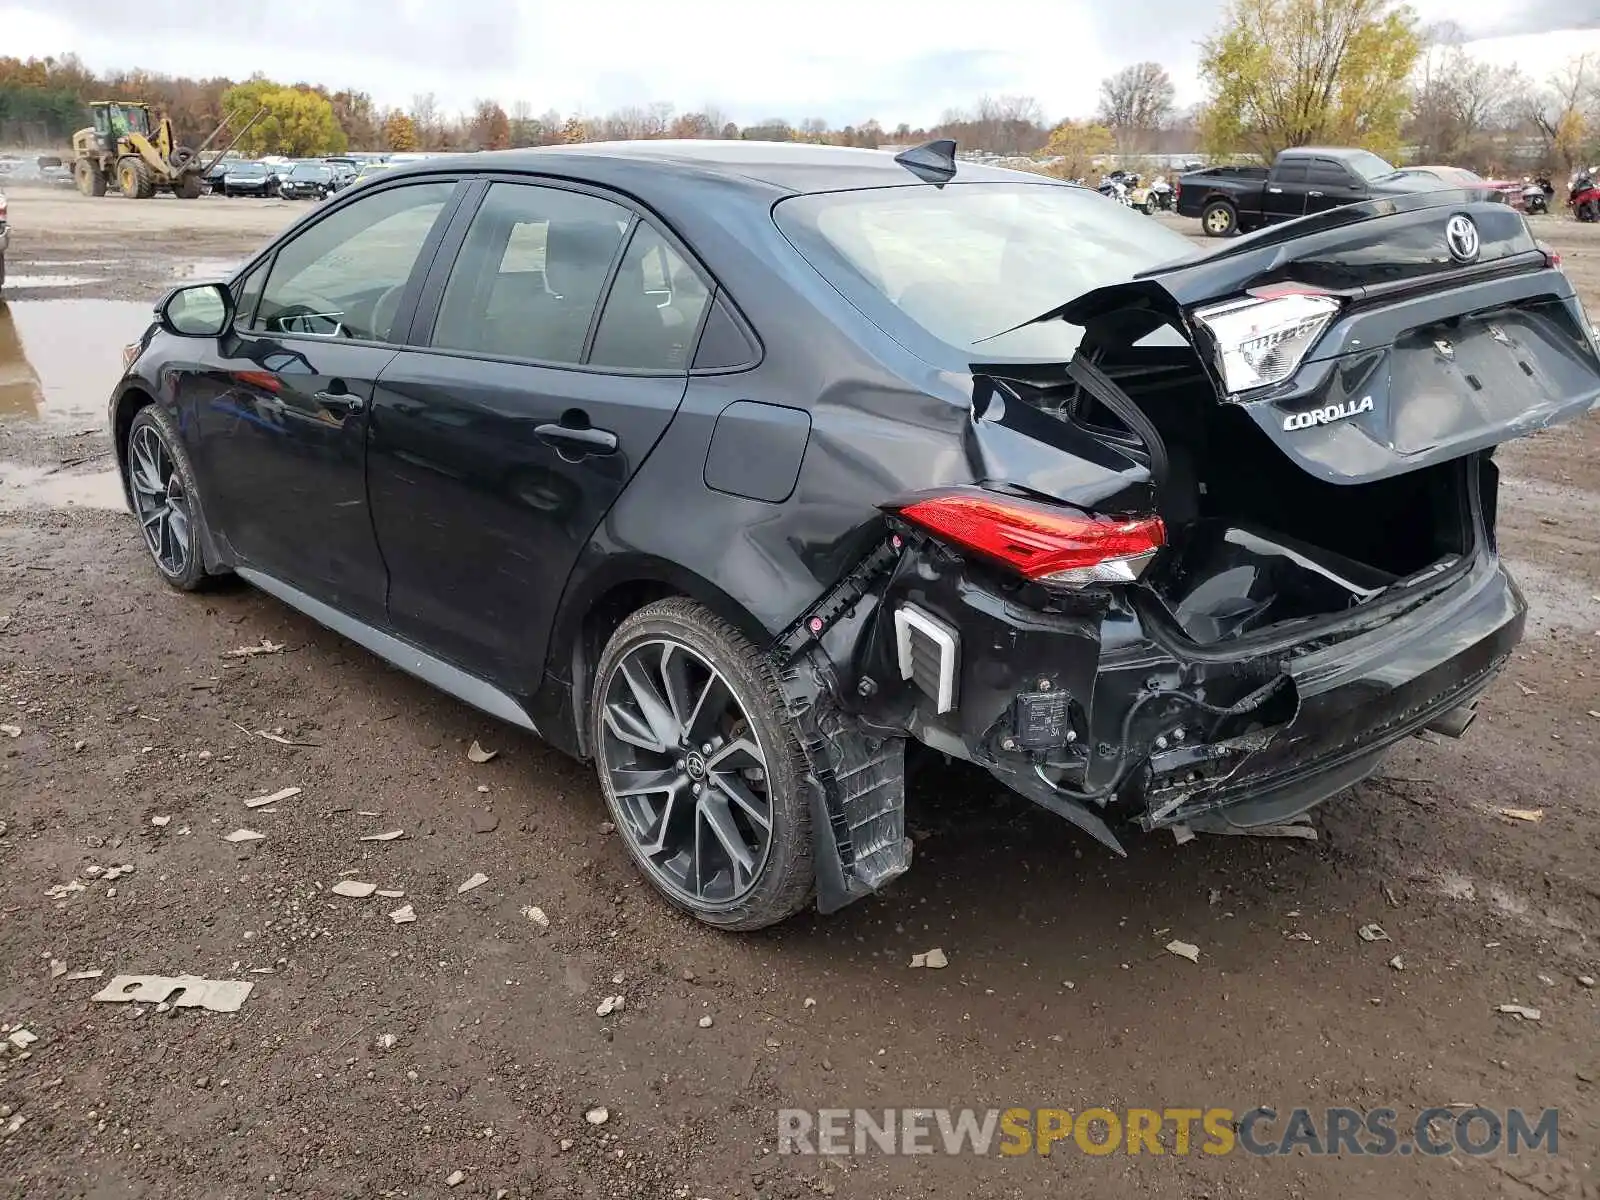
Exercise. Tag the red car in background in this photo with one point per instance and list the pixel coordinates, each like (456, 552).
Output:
(1506, 191)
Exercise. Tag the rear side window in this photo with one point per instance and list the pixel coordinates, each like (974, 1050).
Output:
(1294, 171)
(530, 273)
(345, 275)
(653, 309)
(1327, 171)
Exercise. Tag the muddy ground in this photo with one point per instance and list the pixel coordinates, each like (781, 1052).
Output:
(375, 1059)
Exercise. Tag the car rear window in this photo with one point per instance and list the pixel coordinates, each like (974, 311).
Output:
(968, 263)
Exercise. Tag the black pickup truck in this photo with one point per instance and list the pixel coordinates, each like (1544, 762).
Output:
(1307, 179)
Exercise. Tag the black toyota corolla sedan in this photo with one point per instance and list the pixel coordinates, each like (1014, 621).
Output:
(734, 468)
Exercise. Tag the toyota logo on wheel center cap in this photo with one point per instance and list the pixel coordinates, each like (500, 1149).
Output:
(695, 765)
(1461, 238)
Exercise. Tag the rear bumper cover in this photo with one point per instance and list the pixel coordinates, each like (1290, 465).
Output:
(1104, 718)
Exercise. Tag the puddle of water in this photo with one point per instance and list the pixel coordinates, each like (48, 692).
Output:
(206, 268)
(49, 281)
(39, 487)
(60, 358)
(55, 264)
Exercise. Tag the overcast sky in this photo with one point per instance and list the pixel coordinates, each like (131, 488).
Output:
(844, 60)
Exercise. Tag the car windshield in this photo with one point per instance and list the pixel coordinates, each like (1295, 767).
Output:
(249, 169)
(966, 263)
(1369, 166)
(308, 171)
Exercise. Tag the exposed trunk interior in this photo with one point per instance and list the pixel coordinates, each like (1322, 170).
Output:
(1254, 542)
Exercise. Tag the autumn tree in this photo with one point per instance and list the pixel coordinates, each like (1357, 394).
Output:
(1287, 73)
(298, 123)
(1135, 102)
(1567, 111)
(1074, 145)
(1459, 101)
(574, 130)
(491, 128)
(357, 117)
(399, 132)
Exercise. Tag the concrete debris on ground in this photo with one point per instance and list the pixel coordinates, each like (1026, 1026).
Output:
(391, 893)
(214, 995)
(244, 835)
(160, 822)
(1184, 950)
(11, 730)
(390, 836)
(705, 1022)
(598, 1115)
(287, 793)
(455, 1178)
(1520, 1011)
(21, 1038)
(92, 974)
(478, 754)
(934, 960)
(1521, 814)
(62, 890)
(1373, 933)
(403, 915)
(477, 881)
(265, 646)
(609, 1005)
(57, 968)
(353, 888)
(1586, 981)
(1397, 963)
(536, 914)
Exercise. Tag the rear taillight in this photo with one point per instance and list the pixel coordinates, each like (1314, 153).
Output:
(1261, 340)
(1042, 542)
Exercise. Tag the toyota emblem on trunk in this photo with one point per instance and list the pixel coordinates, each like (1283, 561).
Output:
(1461, 237)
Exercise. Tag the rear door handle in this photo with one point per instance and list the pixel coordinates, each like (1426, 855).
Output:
(340, 401)
(1276, 191)
(582, 439)
(1313, 193)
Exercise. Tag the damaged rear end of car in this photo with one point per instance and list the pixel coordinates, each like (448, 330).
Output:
(1208, 568)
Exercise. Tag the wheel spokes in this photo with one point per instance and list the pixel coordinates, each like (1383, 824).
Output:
(686, 775)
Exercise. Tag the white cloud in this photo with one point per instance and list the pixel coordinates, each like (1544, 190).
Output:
(845, 60)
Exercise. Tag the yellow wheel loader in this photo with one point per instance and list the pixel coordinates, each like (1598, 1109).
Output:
(129, 148)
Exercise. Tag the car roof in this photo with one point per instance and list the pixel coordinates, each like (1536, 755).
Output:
(1328, 151)
(789, 166)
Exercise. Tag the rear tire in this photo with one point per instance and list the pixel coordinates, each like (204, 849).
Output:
(1220, 219)
(91, 180)
(188, 187)
(685, 704)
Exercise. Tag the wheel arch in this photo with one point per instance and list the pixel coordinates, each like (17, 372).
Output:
(132, 398)
(591, 612)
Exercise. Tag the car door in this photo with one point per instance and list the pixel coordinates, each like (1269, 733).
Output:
(281, 403)
(1285, 195)
(558, 341)
(1332, 184)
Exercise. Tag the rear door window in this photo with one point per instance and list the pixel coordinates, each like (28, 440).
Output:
(530, 273)
(653, 310)
(1294, 171)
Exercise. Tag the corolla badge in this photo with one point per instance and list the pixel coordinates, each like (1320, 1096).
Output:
(1326, 416)
(1461, 238)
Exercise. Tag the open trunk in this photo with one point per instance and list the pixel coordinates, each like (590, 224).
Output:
(1354, 466)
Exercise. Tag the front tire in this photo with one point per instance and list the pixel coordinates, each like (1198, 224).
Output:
(1219, 219)
(701, 768)
(135, 179)
(165, 499)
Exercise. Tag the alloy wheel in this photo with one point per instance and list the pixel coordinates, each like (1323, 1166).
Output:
(160, 501)
(687, 774)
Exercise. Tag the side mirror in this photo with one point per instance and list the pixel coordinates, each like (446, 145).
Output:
(200, 310)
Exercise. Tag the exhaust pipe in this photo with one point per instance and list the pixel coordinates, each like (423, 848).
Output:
(1455, 722)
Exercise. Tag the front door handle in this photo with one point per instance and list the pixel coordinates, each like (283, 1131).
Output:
(582, 439)
(340, 401)
(1313, 193)
(1276, 191)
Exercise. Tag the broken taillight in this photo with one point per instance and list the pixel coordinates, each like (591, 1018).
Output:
(1045, 543)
